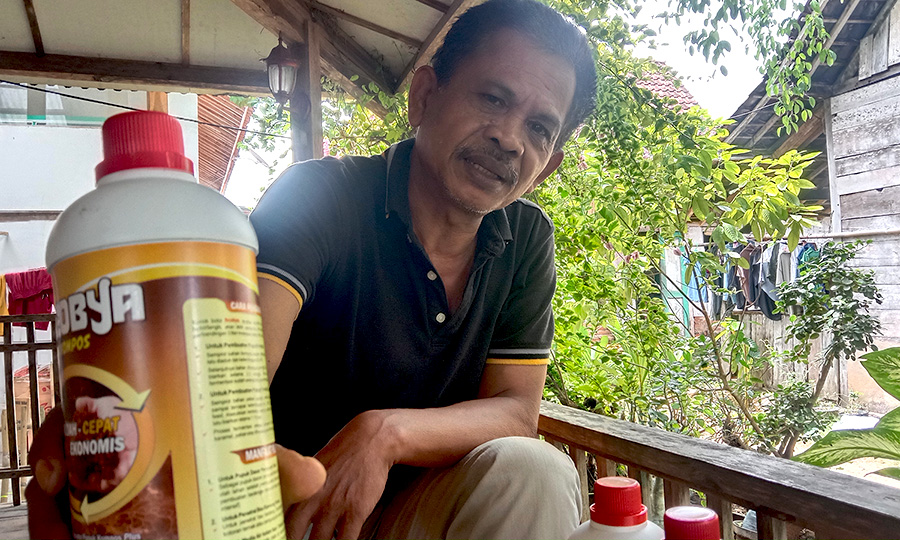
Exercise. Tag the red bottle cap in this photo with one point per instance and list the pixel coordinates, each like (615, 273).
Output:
(617, 502)
(142, 139)
(691, 523)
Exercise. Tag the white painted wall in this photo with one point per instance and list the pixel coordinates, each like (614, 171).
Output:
(47, 168)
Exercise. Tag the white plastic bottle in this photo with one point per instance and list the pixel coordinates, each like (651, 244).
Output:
(168, 425)
(617, 513)
(691, 523)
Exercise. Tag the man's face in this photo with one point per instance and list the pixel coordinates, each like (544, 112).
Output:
(487, 136)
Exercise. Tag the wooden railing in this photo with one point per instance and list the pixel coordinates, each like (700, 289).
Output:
(18, 469)
(831, 504)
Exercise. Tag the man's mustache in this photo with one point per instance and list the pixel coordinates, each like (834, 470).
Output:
(491, 159)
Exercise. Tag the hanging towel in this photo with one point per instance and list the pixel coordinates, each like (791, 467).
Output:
(30, 293)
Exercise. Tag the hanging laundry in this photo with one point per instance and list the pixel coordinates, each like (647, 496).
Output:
(808, 253)
(757, 292)
(696, 287)
(747, 286)
(30, 293)
(732, 282)
(4, 307)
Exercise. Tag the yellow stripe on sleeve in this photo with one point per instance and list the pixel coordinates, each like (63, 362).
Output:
(518, 361)
(284, 284)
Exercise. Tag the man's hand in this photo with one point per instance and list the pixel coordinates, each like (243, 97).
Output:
(48, 501)
(358, 463)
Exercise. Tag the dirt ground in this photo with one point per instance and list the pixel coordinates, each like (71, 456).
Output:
(863, 467)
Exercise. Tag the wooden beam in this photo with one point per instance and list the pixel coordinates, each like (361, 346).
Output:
(8, 216)
(341, 14)
(835, 31)
(834, 196)
(764, 100)
(306, 103)
(185, 32)
(761, 132)
(807, 132)
(35, 29)
(434, 4)
(158, 101)
(156, 75)
(342, 58)
(434, 39)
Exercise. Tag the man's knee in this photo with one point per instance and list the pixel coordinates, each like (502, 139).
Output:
(524, 460)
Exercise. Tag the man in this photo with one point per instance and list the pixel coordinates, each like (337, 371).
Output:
(406, 297)
(425, 286)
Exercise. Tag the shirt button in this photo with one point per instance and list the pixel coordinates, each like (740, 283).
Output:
(440, 317)
(431, 275)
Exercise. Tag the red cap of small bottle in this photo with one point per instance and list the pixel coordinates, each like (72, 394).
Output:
(691, 523)
(617, 502)
(142, 139)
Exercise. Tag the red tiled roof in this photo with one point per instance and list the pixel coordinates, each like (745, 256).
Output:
(218, 147)
(22, 372)
(665, 83)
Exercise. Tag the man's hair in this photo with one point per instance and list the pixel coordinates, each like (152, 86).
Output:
(546, 27)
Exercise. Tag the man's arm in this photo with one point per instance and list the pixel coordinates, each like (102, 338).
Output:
(359, 457)
(280, 308)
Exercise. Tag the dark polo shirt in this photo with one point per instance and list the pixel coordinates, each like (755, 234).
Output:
(375, 330)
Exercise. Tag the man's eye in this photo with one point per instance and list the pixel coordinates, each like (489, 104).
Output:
(540, 130)
(492, 99)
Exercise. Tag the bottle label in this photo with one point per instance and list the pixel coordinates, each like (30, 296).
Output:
(168, 425)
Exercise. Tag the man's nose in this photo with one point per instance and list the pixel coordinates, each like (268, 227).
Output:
(506, 132)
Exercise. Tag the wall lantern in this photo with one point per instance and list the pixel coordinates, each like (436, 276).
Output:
(282, 68)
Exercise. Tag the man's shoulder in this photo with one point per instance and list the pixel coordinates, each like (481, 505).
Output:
(523, 212)
(346, 168)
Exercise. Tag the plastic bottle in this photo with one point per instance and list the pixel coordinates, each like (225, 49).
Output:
(617, 513)
(691, 523)
(168, 426)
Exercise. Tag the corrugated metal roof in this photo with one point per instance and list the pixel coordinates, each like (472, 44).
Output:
(218, 146)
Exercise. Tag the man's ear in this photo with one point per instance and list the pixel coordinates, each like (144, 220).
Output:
(424, 83)
(552, 165)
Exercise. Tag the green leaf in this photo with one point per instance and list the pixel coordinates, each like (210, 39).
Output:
(732, 233)
(890, 472)
(884, 367)
(757, 229)
(794, 237)
(843, 445)
(890, 421)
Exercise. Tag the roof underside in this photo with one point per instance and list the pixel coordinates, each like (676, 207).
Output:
(215, 46)
(756, 124)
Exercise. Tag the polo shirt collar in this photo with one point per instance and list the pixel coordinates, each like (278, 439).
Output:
(493, 234)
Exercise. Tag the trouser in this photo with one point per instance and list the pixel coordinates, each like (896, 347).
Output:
(514, 487)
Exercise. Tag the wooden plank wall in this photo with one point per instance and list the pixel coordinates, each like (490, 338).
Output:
(866, 151)
(773, 334)
(880, 48)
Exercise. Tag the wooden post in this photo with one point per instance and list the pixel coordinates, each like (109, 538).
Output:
(11, 414)
(158, 101)
(770, 527)
(579, 456)
(306, 103)
(676, 493)
(726, 517)
(605, 467)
